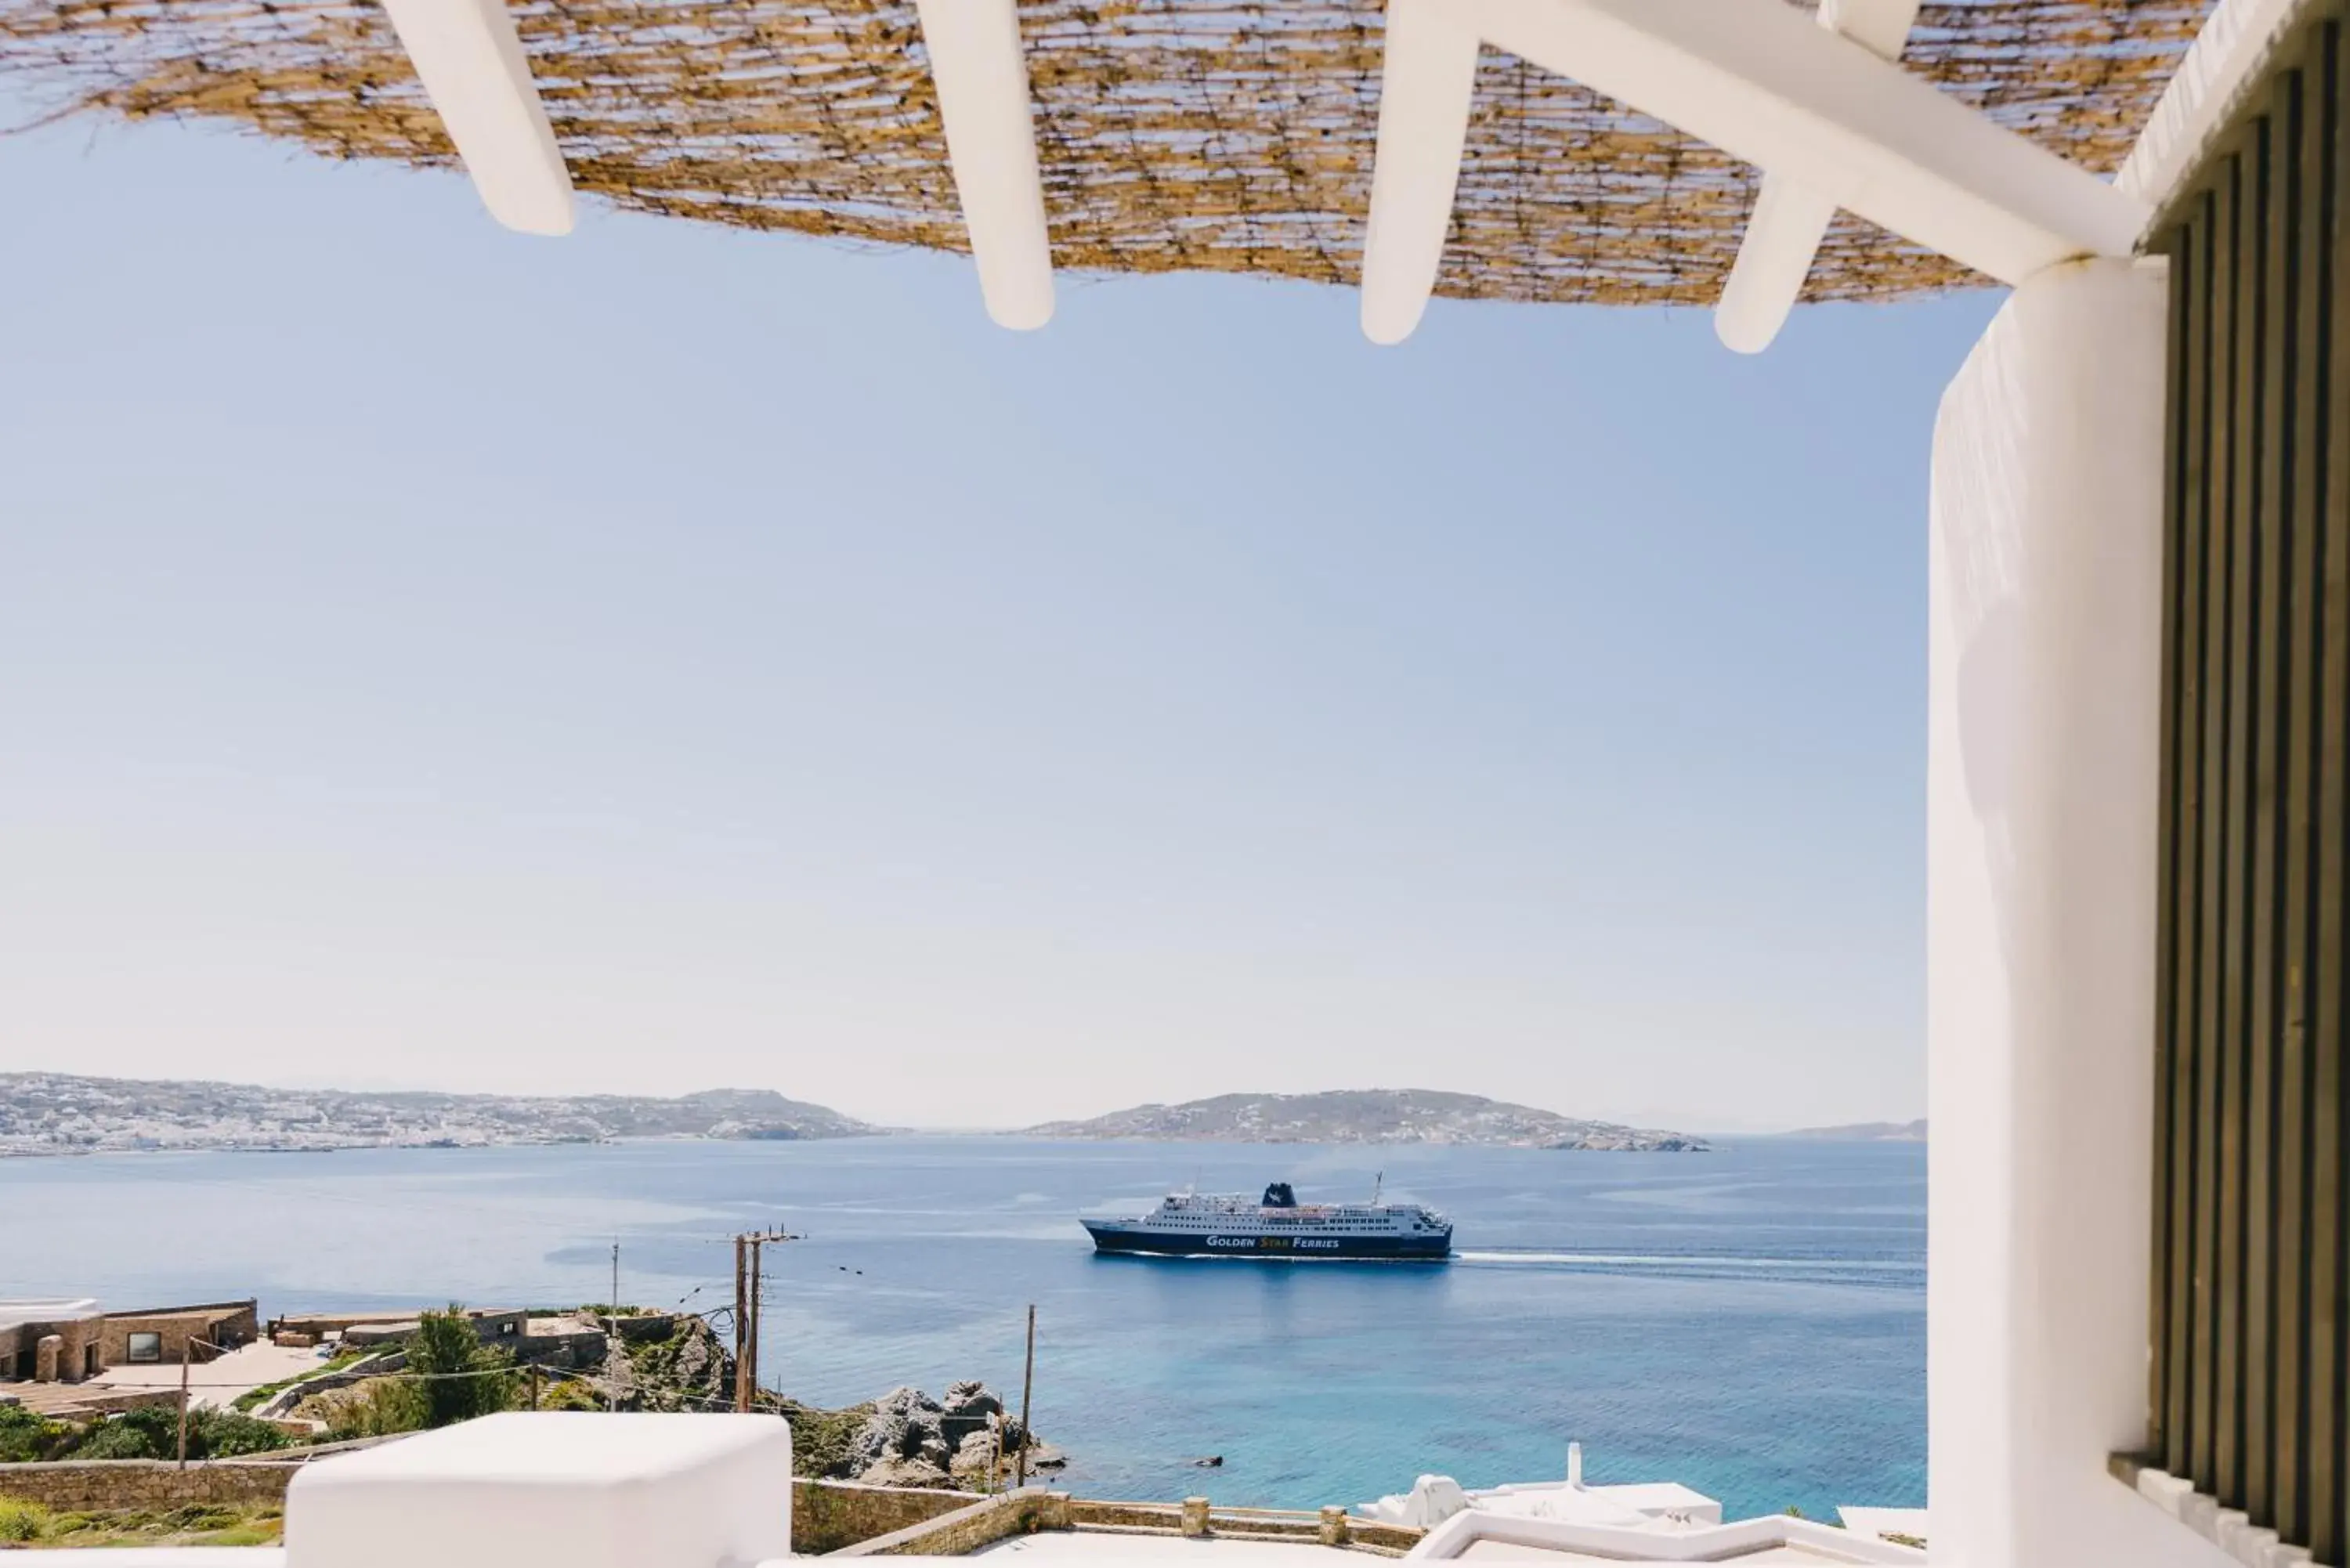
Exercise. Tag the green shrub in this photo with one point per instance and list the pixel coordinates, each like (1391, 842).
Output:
(379, 1409)
(569, 1393)
(462, 1378)
(21, 1522)
(27, 1436)
(227, 1433)
(152, 1432)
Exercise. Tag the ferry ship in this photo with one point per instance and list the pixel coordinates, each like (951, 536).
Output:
(1199, 1225)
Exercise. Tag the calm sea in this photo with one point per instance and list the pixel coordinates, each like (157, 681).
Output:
(1751, 1322)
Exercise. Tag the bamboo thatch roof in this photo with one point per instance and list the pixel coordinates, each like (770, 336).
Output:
(1176, 135)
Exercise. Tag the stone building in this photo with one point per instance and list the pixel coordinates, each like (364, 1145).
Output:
(68, 1340)
(165, 1334)
(58, 1340)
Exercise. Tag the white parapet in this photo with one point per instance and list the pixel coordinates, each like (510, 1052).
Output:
(470, 59)
(982, 76)
(583, 1488)
(2045, 626)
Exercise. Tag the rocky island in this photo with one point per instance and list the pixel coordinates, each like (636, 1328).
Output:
(1369, 1116)
(1865, 1132)
(58, 1113)
(55, 1113)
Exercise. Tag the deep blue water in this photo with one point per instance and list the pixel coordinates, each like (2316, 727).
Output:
(1751, 1322)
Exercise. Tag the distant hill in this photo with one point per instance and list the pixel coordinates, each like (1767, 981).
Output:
(1867, 1132)
(1367, 1115)
(54, 1113)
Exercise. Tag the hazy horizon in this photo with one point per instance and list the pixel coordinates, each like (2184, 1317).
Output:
(679, 655)
(332, 1085)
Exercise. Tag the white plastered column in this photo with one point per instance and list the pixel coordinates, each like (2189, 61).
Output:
(2042, 770)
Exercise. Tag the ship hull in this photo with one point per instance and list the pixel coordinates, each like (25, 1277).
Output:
(1145, 1242)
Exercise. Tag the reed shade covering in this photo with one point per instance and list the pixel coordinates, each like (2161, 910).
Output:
(1176, 135)
(2250, 1342)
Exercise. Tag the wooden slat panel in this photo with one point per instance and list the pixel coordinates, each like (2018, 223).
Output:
(2301, 167)
(2192, 465)
(2263, 730)
(2250, 1386)
(2168, 812)
(2325, 1450)
(2209, 1013)
(2234, 1055)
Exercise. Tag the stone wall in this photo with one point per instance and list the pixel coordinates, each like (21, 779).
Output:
(146, 1483)
(282, 1403)
(966, 1530)
(1244, 1523)
(830, 1515)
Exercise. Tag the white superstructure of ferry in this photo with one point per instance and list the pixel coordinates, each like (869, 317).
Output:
(1231, 1225)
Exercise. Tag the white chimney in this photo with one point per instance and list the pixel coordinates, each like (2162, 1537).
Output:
(1574, 1466)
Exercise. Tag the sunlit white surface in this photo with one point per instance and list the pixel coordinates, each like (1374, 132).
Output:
(1789, 220)
(1765, 84)
(982, 82)
(1428, 78)
(471, 62)
(583, 1488)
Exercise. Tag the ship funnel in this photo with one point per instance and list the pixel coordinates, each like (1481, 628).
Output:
(1574, 1466)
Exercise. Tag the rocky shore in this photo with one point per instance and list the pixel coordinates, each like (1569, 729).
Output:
(908, 1438)
(905, 1439)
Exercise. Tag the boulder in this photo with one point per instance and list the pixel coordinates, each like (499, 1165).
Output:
(904, 1425)
(963, 1413)
(974, 1454)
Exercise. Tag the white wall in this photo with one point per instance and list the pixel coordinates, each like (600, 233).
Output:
(2045, 623)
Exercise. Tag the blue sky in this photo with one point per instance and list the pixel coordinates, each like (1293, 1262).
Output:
(668, 656)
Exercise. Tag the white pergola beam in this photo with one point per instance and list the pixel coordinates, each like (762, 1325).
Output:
(1881, 26)
(1790, 221)
(1429, 81)
(471, 62)
(982, 82)
(1783, 235)
(1758, 80)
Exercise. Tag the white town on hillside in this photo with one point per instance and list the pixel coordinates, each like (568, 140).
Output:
(54, 1113)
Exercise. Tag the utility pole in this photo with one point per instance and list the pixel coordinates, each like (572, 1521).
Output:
(742, 1321)
(1027, 1385)
(187, 1348)
(613, 1306)
(747, 1250)
(187, 1353)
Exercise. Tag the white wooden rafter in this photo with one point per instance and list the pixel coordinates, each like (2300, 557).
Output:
(1763, 82)
(982, 78)
(1790, 221)
(470, 59)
